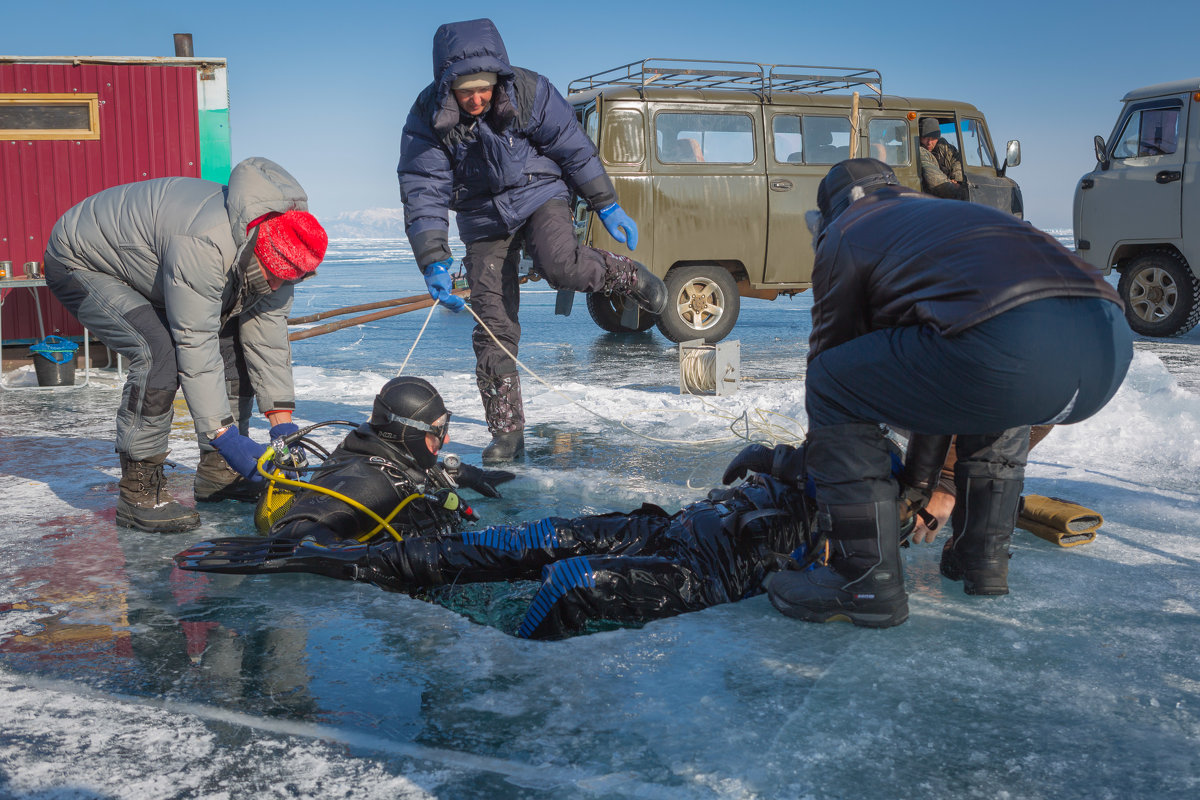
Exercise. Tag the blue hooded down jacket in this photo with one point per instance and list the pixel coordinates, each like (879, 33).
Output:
(494, 170)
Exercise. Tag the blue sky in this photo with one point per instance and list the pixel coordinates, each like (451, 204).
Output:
(323, 87)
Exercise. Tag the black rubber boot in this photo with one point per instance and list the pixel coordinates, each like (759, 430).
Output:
(216, 481)
(863, 582)
(625, 277)
(146, 504)
(983, 518)
(505, 414)
(988, 480)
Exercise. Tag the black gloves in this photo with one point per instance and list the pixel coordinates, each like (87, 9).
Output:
(483, 481)
(754, 458)
(782, 462)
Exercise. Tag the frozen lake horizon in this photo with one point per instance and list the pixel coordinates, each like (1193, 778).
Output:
(124, 677)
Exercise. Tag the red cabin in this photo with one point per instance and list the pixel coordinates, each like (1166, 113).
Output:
(71, 126)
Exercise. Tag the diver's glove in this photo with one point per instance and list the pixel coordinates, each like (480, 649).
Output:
(241, 453)
(283, 429)
(483, 481)
(441, 285)
(782, 462)
(619, 225)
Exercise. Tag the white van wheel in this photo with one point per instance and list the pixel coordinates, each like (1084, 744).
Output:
(1160, 294)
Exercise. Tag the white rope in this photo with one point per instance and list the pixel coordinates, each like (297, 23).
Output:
(420, 333)
(699, 370)
(700, 366)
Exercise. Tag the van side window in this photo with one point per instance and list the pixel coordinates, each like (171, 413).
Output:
(622, 137)
(889, 141)
(789, 141)
(826, 139)
(711, 138)
(977, 152)
(1149, 132)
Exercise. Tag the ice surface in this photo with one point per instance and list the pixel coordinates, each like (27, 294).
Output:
(123, 677)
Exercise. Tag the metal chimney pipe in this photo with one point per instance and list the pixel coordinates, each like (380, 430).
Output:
(183, 45)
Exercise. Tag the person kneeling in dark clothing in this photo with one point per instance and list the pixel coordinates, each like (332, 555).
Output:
(618, 567)
(939, 318)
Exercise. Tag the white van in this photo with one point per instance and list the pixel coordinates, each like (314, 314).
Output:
(1138, 211)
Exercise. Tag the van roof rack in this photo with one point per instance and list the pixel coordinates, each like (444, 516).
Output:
(764, 79)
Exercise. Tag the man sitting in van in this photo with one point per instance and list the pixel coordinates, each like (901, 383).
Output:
(941, 168)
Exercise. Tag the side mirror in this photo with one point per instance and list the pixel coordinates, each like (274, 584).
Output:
(1012, 155)
(1101, 151)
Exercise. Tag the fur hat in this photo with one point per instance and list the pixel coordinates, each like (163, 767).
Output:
(291, 245)
(476, 80)
(930, 127)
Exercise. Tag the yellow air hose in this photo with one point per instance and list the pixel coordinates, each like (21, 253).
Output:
(384, 524)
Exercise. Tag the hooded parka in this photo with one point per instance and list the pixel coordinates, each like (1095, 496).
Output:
(494, 171)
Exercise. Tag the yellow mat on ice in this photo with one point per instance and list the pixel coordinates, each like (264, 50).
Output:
(1061, 522)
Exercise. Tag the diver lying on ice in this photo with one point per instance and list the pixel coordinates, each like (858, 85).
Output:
(617, 567)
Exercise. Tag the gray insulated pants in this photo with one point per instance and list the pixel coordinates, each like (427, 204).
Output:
(122, 318)
(491, 265)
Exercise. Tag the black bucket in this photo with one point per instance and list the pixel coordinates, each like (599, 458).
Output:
(54, 361)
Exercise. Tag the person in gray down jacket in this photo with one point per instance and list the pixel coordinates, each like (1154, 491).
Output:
(191, 281)
(500, 147)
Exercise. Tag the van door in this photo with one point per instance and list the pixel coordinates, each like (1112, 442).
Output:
(800, 151)
(1141, 190)
(986, 186)
(708, 185)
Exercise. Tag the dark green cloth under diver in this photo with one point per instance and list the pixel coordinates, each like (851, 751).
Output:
(620, 567)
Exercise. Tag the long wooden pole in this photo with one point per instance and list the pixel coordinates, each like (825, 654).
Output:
(854, 126)
(337, 312)
(330, 327)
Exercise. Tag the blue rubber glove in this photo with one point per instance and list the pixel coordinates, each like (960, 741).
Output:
(241, 453)
(437, 278)
(620, 225)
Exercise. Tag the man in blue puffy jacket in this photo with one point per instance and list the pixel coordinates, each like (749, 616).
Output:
(501, 147)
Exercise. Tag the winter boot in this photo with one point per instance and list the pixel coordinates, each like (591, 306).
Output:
(505, 414)
(858, 514)
(145, 503)
(863, 582)
(988, 483)
(983, 518)
(624, 277)
(216, 481)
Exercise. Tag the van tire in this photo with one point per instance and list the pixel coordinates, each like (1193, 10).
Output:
(607, 310)
(1160, 294)
(702, 303)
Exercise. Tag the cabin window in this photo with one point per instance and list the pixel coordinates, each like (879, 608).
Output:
(49, 116)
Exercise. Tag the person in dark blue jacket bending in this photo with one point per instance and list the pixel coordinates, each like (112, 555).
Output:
(501, 147)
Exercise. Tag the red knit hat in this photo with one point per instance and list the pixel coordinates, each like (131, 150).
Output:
(290, 245)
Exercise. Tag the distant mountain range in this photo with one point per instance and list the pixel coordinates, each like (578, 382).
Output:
(370, 223)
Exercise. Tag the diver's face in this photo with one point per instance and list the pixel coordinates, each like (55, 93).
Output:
(473, 101)
(431, 439)
(930, 142)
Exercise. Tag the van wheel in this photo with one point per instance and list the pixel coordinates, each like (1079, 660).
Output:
(702, 303)
(1160, 294)
(607, 310)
